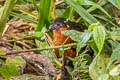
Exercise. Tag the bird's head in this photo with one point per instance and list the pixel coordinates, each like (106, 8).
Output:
(57, 23)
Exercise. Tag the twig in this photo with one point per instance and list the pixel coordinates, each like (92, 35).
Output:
(41, 49)
(50, 41)
(19, 39)
(29, 62)
(5, 29)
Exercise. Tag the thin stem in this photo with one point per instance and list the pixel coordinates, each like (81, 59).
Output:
(41, 49)
(19, 39)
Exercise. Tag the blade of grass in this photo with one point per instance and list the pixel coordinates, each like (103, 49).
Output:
(81, 11)
(96, 6)
(44, 14)
(105, 19)
(24, 17)
(4, 14)
(104, 2)
(28, 13)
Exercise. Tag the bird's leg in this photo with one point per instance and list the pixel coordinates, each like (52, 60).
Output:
(64, 72)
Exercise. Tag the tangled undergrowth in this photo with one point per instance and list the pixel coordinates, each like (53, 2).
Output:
(26, 52)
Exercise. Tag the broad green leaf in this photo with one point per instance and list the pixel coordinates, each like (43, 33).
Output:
(99, 37)
(83, 40)
(18, 61)
(115, 55)
(73, 34)
(80, 37)
(98, 67)
(38, 34)
(8, 71)
(2, 53)
(11, 67)
(44, 14)
(81, 11)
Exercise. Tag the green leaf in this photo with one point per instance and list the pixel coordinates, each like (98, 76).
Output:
(18, 61)
(92, 26)
(103, 77)
(61, 51)
(115, 55)
(66, 13)
(2, 53)
(83, 40)
(81, 11)
(60, 12)
(80, 37)
(44, 14)
(98, 67)
(99, 37)
(115, 34)
(73, 34)
(8, 71)
(113, 43)
(11, 67)
(38, 34)
(94, 47)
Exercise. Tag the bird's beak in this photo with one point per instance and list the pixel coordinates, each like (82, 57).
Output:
(51, 27)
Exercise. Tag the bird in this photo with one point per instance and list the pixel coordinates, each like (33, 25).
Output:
(57, 26)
